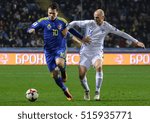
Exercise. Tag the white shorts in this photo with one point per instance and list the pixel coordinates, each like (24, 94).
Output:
(89, 58)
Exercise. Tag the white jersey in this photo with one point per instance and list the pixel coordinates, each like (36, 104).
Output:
(98, 33)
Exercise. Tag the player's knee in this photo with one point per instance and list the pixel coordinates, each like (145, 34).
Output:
(60, 63)
(59, 60)
(98, 68)
(98, 65)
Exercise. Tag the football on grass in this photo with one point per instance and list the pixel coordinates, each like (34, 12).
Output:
(32, 94)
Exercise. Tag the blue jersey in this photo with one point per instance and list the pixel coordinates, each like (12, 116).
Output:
(53, 37)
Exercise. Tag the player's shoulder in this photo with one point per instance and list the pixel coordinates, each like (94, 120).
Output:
(43, 19)
(106, 24)
(89, 21)
(62, 20)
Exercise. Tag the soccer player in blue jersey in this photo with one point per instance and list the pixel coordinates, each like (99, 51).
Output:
(55, 34)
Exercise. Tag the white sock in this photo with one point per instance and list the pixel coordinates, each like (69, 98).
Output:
(99, 79)
(84, 84)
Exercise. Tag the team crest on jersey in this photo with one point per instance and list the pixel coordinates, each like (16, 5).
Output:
(102, 30)
(59, 27)
(48, 26)
(90, 31)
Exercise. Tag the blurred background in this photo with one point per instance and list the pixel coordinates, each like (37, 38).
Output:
(131, 16)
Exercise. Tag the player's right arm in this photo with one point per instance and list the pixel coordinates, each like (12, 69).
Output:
(34, 26)
(81, 24)
(31, 30)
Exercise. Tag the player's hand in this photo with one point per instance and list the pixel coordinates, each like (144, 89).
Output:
(31, 31)
(86, 40)
(140, 44)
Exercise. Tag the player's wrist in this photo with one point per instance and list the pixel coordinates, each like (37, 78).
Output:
(86, 39)
(136, 43)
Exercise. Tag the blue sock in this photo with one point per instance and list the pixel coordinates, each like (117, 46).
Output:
(60, 83)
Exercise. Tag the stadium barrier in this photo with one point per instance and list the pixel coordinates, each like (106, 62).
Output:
(73, 59)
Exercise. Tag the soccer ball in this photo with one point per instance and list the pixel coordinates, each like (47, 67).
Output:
(32, 94)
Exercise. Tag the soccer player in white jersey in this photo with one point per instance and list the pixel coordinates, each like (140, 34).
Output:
(92, 54)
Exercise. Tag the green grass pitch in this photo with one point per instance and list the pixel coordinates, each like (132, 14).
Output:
(122, 86)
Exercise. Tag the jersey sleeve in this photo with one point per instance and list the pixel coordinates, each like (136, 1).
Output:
(37, 25)
(81, 24)
(63, 22)
(114, 30)
(65, 25)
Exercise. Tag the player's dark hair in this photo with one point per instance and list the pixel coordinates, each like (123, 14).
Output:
(54, 5)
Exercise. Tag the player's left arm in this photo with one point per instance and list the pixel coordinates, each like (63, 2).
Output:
(77, 38)
(36, 25)
(135, 42)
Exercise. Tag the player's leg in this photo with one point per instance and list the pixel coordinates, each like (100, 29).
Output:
(98, 77)
(60, 60)
(58, 79)
(84, 65)
(84, 83)
(83, 78)
(61, 63)
(60, 83)
(50, 59)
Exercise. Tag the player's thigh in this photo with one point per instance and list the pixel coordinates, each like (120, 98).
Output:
(50, 60)
(60, 57)
(85, 61)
